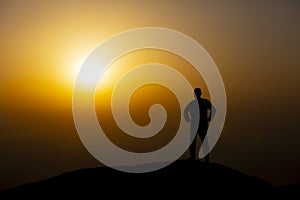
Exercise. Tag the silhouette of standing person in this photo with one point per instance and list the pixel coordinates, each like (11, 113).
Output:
(191, 115)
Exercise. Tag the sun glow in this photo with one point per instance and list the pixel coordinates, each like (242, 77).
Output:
(71, 68)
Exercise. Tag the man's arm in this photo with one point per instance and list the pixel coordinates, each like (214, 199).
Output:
(186, 113)
(212, 112)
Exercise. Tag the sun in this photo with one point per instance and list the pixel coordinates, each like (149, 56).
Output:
(70, 68)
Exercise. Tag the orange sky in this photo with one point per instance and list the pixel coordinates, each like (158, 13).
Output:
(43, 43)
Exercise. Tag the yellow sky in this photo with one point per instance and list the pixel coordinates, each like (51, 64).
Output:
(44, 43)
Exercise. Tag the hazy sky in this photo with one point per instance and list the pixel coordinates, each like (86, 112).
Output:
(255, 44)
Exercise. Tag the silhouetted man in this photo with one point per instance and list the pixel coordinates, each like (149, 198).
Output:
(191, 115)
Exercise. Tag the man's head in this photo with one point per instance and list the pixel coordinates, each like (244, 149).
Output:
(198, 92)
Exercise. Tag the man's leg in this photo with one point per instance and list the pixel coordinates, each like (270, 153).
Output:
(206, 158)
(203, 131)
(192, 149)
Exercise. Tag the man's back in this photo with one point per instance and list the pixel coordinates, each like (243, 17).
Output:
(204, 106)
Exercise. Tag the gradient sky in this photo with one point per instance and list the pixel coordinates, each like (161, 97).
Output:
(255, 44)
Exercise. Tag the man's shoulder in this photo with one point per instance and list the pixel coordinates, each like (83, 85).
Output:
(193, 101)
(192, 104)
(204, 99)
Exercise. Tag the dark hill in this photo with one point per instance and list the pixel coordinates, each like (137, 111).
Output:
(187, 178)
